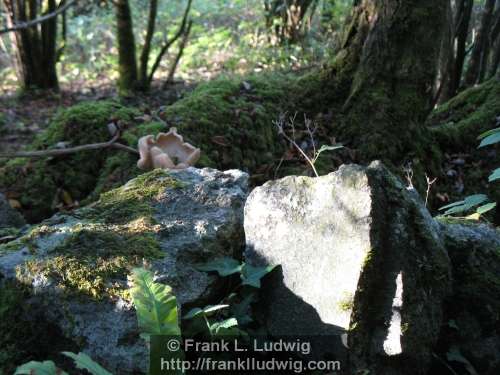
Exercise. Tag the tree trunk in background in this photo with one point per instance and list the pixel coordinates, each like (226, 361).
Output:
(460, 32)
(495, 44)
(146, 49)
(446, 56)
(290, 14)
(34, 47)
(127, 65)
(480, 44)
(495, 62)
(386, 70)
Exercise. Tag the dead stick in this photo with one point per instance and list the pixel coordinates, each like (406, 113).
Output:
(71, 150)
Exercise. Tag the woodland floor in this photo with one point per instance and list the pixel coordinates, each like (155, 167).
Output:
(22, 117)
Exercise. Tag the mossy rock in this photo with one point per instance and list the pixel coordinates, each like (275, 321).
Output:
(76, 266)
(456, 126)
(40, 184)
(471, 312)
(459, 121)
(229, 119)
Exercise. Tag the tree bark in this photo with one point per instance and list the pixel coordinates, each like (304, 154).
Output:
(127, 65)
(480, 44)
(34, 46)
(146, 49)
(460, 32)
(291, 15)
(495, 45)
(386, 70)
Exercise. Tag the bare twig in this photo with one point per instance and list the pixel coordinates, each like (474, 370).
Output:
(280, 124)
(409, 176)
(71, 150)
(36, 21)
(429, 185)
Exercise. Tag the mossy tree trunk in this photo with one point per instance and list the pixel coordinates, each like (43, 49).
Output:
(480, 51)
(34, 47)
(127, 65)
(385, 72)
(290, 15)
(454, 66)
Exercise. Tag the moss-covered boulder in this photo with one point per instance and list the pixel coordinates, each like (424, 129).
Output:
(75, 266)
(456, 126)
(362, 262)
(471, 329)
(229, 119)
(40, 185)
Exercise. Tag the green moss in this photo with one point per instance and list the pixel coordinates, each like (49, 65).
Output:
(347, 303)
(457, 123)
(111, 237)
(43, 183)
(132, 201)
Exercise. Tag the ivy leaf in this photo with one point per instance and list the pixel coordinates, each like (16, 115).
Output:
(242, 310)
(224, 325)
(84, 362)
(223, 266)
(251, 275)
(205, 311)
(39, 368)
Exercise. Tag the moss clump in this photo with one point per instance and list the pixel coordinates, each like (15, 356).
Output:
(458, 122)
(41, 184)
(112, 236)
(229, 119)
(132, 201)
(456, 126)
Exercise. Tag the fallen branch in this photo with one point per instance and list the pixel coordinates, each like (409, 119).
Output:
(36, 21)
(71, 150)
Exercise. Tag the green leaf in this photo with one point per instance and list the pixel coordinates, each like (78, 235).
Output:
(252, 275)
(488, 133)
(329, 148)
(495, 175)
(223, 266)
(485, 208)
(155, 304)
(465, 205)
(490, 139)
(39, 368)
(84, 362)
(205, 311)
(241, 310)
(217, 327)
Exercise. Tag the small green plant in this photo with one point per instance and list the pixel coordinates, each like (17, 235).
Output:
(233, 313)
(479, 201)
(155, 305)
(310, 128)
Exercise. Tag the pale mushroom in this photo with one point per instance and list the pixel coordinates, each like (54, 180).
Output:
(166, 151)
